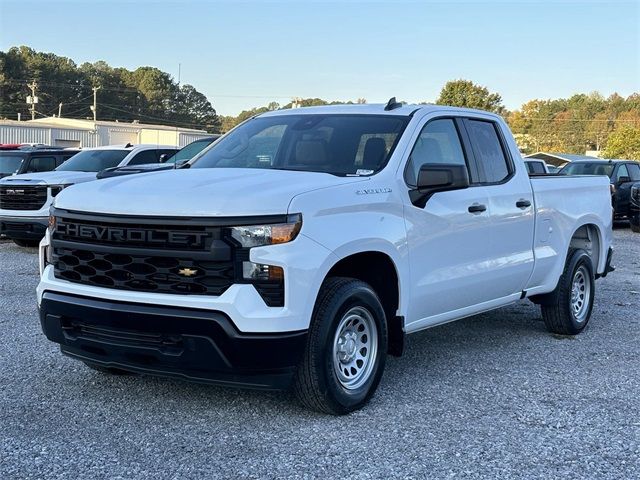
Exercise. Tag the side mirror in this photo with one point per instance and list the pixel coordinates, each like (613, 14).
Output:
(438, 177)
(163, 158)
(622, 180)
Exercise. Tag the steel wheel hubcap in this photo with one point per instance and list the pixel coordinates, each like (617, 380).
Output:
(580, 294)
(355, 346)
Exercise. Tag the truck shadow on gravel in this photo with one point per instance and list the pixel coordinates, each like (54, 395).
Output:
(488, 342)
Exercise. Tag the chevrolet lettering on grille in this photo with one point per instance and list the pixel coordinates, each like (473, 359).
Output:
(120, 234)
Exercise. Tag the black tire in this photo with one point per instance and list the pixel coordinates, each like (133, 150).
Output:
(558, 310)
(635, 227)
(27, 243)
(317, 384)
(107, 370)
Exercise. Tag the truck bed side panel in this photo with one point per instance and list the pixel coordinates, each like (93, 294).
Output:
(563, 205)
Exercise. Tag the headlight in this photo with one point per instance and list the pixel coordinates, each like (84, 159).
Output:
(259, 235)
(56, 189)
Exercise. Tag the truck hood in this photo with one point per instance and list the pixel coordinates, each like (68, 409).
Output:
(221, 192)
(49, 178)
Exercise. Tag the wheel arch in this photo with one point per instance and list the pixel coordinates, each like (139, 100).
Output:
(377, 269)
(588, 236)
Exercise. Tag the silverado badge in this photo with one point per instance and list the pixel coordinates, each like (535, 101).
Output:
(187, 272)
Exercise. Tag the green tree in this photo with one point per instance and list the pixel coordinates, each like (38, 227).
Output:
(465, 93)
(624, 142)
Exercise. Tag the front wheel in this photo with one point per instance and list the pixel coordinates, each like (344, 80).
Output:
(571, 303)
(346, 348)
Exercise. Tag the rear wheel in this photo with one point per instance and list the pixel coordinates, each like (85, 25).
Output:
(568, 308)
(27, 243)
(346, 348)
(635, 227)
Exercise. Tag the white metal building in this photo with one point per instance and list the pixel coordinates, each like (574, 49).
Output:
(68, 132)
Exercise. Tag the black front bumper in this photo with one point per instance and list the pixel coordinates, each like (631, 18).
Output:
(23, 229)
(196, 345)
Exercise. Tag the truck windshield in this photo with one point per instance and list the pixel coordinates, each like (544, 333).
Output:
(339, 144)
(189, 151)
(10, 164)
(588, 169)
(93, 160)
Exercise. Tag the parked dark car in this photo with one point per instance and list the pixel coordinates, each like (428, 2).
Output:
(623, 174)
(169, 162)
(634, 208)
(21, 159)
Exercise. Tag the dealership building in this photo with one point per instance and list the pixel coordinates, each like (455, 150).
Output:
(69, 132)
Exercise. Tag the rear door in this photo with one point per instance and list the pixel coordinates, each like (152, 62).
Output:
(509, 249)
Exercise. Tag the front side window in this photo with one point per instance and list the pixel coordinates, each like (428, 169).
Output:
(634, 172)
(146, 156)
(93, 160)
(41, 164)
(438, 142)
(189, 151)
(535, 167)
(339, 144)
(492, 162)
(622, 172)
(10, 164)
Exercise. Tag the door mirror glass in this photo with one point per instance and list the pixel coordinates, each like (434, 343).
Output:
(439, 177)
(622, 180)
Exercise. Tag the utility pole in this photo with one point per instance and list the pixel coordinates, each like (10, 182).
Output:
(33, 99)
(95, 103)
(60, 110)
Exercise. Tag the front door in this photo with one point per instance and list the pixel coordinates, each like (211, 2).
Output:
(449, 237)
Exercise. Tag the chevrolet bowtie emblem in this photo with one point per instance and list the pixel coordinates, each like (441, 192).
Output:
(187, 272)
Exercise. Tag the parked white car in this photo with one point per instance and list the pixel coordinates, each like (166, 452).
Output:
(25, 199)
(301, 248)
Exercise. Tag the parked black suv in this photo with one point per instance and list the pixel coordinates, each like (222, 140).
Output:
(20, 160)
(623, 175)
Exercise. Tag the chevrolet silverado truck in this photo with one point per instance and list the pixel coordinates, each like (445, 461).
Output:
(25, 199)
(302, 247)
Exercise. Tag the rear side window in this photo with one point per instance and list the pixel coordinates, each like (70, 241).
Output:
(438, 142)
(41, 164)
(634, 172)
(492, 162)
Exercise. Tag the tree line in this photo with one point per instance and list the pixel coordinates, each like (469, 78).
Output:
(146, 94)
(576, 124)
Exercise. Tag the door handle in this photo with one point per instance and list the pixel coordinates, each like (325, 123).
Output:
(522, 203)
(477, 208)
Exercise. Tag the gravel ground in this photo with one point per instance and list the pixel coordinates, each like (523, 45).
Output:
(492, 396)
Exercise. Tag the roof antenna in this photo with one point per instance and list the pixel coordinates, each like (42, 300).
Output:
(392, 104)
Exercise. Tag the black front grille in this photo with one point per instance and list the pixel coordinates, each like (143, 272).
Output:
(143, 273)
(152, 255)
(23, 198)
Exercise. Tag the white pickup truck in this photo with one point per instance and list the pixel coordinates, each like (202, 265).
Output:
(25, 199)
(302, 247)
